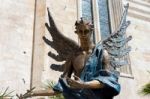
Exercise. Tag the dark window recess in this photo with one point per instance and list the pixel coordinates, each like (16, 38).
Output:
(87, 13)
(104, 18)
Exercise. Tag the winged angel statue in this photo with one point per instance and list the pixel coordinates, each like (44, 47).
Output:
(93, 66)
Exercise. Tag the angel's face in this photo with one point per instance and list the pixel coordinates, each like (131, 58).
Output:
(84, 33)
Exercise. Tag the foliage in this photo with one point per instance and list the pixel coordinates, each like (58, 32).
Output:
(6, 93)
(26, 95)
(50, 85)
(146, 88)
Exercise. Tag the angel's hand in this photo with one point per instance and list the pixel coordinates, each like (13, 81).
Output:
(76, 84)
(28, 94)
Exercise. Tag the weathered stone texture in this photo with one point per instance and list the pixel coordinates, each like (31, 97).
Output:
(16, 30)
(38, 44)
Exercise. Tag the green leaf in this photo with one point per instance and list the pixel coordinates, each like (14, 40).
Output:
(146, 89)
(5, 93)
(50, 85)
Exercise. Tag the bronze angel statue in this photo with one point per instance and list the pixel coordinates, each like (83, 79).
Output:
(92, 66)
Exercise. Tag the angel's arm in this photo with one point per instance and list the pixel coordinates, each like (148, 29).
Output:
(106, 61)
(77, 83)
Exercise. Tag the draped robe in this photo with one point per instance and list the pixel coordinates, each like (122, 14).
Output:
(93, 70)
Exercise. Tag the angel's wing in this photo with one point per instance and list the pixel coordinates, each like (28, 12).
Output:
(64, 46)
(116, 44)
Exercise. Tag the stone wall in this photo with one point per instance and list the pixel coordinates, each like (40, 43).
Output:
(139, 15)
(24, 62)
(16, 36)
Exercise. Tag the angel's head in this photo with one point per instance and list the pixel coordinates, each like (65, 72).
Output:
(84, 31)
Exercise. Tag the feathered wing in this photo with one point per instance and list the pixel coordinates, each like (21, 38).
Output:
(116, 44)
(64, 46)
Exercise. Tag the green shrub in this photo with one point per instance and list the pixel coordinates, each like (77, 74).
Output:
(5, 93)
(146, 89)
(50, 85)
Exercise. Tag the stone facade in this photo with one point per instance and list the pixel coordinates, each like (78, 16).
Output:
(16, 37)
(24, 62)
(139, 15)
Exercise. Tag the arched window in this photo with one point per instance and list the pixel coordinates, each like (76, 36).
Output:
(104, 18)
